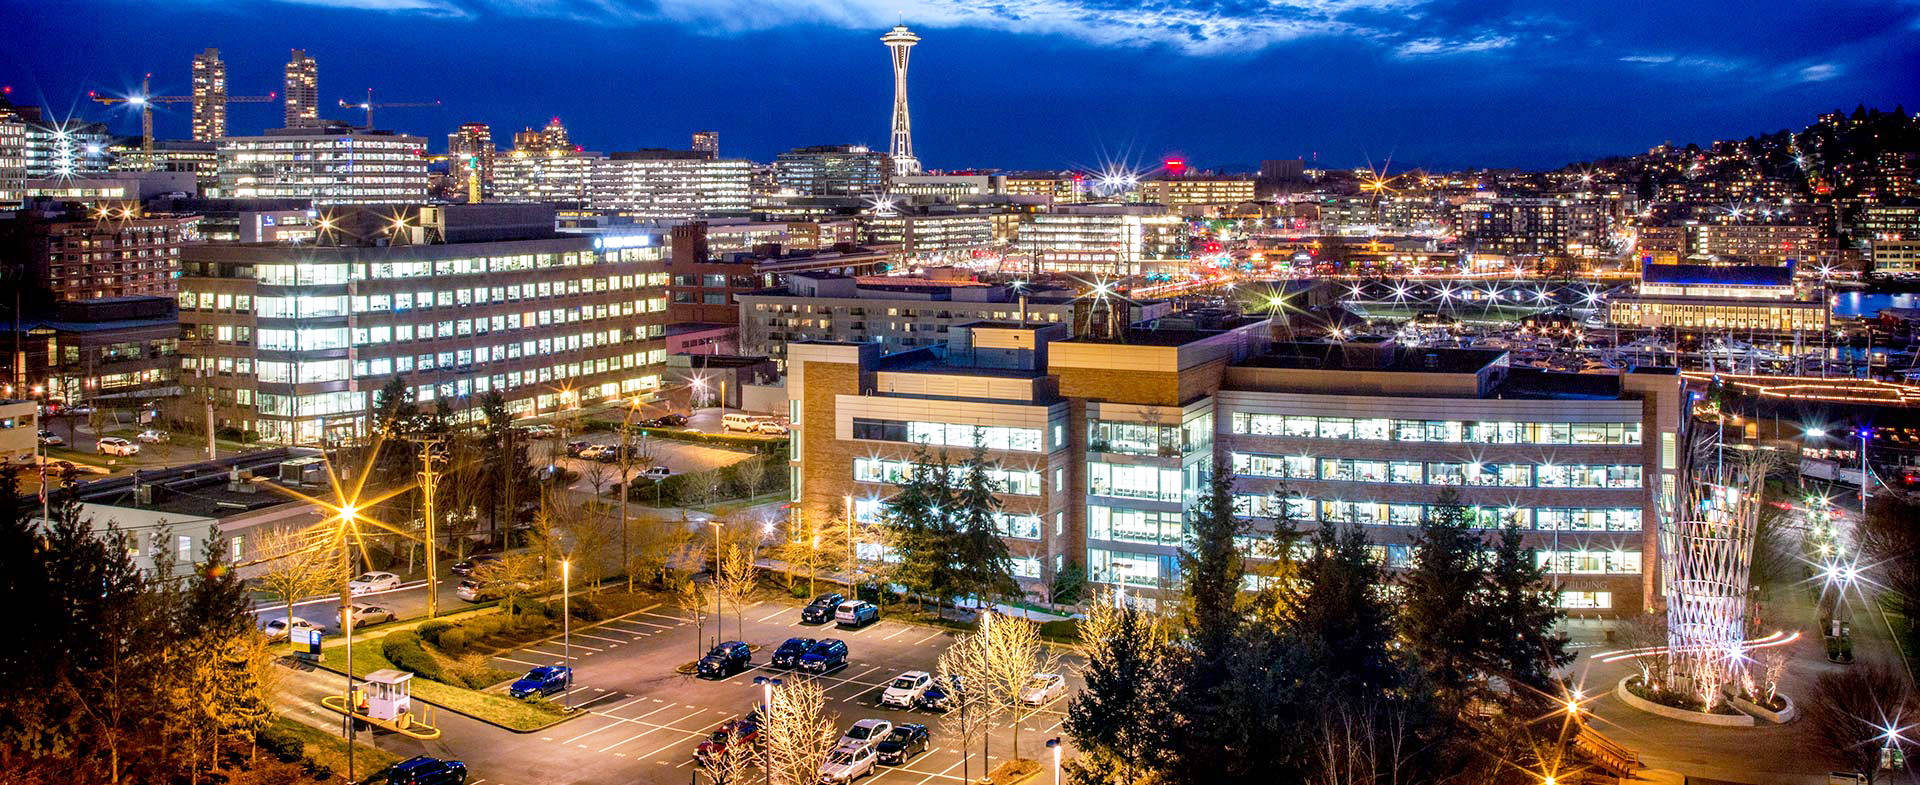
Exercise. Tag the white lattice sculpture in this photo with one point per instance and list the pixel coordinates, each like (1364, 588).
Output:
(1706, 551)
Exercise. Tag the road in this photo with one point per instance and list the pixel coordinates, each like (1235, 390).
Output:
(642, 720)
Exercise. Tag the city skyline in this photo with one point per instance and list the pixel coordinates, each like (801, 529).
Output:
(1235, 89)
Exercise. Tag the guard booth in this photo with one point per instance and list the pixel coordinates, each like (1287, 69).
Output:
(387, 694)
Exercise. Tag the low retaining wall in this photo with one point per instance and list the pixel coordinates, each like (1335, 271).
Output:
(1781, 717)
(1699, 718)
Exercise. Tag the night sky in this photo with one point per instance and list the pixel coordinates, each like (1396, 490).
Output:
(1017, 83)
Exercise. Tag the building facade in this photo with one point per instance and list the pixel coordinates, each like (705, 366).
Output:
(76, 252)
(470, 150)
(831, 170)
(1709, 298)
(931, 230)
(1105, 239)
(302, 90)
(291, 341)
(333, 165)
(1197, 190)
(1102, 447)
(557, 178)
(1534, 226)
(209, 96)
(671, 185)
(897, 313)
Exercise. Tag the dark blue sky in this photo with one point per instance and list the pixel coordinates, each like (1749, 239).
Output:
(1019, 83)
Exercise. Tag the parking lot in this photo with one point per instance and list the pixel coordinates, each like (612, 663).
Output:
(643, 719)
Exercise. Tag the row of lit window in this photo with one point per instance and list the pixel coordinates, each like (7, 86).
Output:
(1501, 475)
(1444, 431)
(1306, 510)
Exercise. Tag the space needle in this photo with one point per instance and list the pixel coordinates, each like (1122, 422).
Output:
(901, 40)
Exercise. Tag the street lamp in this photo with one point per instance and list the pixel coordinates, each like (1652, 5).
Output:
(766, 709)
(1055, 745)
(715, 522)
(1866, 477)
(566, 631)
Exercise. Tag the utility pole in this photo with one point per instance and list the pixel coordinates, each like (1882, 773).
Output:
(429, 485)
(849, 511)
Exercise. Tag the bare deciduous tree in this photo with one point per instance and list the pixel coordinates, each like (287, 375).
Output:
(752, 476)
(736, 573)
(1848, 708)
(730, 761)
(795, 734)
(1001, 661)
(294, 565)
(965, 663)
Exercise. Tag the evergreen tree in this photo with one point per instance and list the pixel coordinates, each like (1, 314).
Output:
(1342, 619)
(1118, 722)
(1210, 695)
(1213, 568)
(984, 567)
(918, 519)
(1523, 647)
(1442, 620)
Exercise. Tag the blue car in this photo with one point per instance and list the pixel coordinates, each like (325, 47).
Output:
(422, 770)
(725, 660)
(545, 680)
(826, 656)
(789, 653)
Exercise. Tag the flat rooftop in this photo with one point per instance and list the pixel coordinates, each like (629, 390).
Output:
(1355, 356)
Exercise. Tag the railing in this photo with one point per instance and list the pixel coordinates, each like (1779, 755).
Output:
(1606, 753)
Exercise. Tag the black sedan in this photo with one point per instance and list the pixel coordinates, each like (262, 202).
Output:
(466, 566)
(902, 744)
(820, 611)
(725, 660)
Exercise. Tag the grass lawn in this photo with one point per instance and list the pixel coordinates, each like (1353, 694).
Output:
(327, 750)
(497, 709)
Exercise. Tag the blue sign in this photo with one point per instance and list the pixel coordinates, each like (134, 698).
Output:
(306, 641)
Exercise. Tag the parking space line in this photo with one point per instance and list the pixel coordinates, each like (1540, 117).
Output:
(653, 624)
(562, 645)
(770, 615)
(668, 726)
(664, 616)
(610, 712)
(902, 631)
(942, 772)
(928, 638)
(521, 662)
(594, 731)
(671, 744)
(598, 638)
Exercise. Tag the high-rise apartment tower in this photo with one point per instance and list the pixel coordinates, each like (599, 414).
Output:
(209, 96)
(303, 91)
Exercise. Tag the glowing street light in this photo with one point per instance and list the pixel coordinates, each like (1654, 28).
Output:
(1055, 745)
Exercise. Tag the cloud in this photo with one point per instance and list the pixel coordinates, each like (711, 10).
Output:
(1206, 27)
(1441, 47)
(1819, 72)
(1693, 64)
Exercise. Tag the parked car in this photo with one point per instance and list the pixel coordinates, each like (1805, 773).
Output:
(278, 629)
(574, 447)
(609, 455)
(1043, 687)
(544, 680)
(593, 452)
(826, 656)
(858, 613)
(846, 764)
(51, 439)
(473, 590)
(542, 432)
(372, 582)
(906, 689)
(657, 473)
(771, 428)
(467, 565)
(366, 615)
(422, 770)
(789, 653)
(151, 436)
(939, 695)
(820, 611)
(114, 445)
(725, 660)
(671, 420)
(865, 733)
(745, 730)
(902, 744)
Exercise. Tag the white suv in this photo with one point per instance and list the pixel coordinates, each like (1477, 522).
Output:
(114, 445)
(905, 689)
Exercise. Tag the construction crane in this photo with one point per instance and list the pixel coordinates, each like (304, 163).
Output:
(369, 105)
(145, 99)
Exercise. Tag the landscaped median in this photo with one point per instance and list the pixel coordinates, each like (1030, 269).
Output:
(449, 656)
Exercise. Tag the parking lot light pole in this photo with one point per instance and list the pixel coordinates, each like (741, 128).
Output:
(766, 709)
(849, 508)
(715, 582)
(1054, 744)
(566, 632)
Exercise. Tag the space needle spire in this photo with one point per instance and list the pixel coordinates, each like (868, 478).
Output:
(900, 41)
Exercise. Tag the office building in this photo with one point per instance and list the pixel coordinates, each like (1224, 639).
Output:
(736, 235)
(1108, 239)
(291, 340)
(670, 185)
(550, 139)
(113, 189)
(470, 151)
(246, 220)
(900, 42)
(302, 92)
(209, 96)
(71, 251)
(705, 287)
(1102, 446)
(334, 164)
(13, 156)
(1735, 243)
(897, 313)
(1534, 226)
(930, 230)
(110, 348)
(19, 430)
(947, 186)
(1197, 190)
(707, 142)
(1894, 257)
(831, 170)
(201, 159)
(561, 178)
(1717, 299)
(67, 148)
(1056, 188)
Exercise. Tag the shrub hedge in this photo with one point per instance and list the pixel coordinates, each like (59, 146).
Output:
(403, 649)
